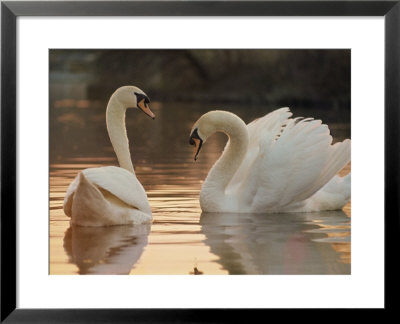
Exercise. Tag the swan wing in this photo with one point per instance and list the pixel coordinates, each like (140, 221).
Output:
(69, 196)
(260, 131)
(291, 160)
(296, 165)
(119, 182)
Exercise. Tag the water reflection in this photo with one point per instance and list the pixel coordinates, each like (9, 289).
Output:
(106, 250)
(293, 243)
(177, 243)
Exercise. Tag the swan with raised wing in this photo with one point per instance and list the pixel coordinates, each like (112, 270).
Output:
(274, 164)
(112, 195)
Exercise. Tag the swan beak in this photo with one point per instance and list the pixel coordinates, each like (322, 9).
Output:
(197, 142)
(197, 146)
(145, 108)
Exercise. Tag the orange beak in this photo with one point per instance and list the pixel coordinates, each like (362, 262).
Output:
(197, 147)
(197, 142)
(145, 108)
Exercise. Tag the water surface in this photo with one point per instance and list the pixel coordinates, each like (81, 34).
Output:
(181, 239)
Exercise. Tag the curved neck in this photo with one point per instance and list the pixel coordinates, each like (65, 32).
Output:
(115, 119)
(226, 166)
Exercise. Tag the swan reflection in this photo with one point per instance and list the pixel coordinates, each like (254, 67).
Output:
(291, 243)
(106, 250)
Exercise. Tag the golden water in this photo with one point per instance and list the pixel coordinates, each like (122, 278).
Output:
(180, 240)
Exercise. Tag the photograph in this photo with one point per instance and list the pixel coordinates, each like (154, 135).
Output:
(200, 161)
(253, 144)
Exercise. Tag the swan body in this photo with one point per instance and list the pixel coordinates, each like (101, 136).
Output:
(274, 164)
(111, 195)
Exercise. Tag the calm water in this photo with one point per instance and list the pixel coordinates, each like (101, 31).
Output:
(181, 239)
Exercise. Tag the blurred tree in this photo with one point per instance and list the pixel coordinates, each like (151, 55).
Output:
(307, 77)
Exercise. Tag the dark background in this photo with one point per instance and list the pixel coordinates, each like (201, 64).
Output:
(282, 77)
(183, 84)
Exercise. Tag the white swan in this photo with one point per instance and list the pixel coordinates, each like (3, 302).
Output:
(112, 195)
(274, 164)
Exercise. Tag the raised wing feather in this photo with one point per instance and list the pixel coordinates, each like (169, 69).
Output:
(288, 161)
(264, 129)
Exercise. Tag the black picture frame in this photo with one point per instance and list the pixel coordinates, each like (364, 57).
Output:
(11, 10)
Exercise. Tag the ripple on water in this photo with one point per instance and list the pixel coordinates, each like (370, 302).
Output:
(182, 240)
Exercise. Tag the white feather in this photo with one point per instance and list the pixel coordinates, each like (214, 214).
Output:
(110, 195)
(286, 162)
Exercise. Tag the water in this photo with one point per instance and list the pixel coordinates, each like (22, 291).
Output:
(181, 240)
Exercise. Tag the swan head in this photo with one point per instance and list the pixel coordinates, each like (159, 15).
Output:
(217, 121)
(133, 97)
(204, 127)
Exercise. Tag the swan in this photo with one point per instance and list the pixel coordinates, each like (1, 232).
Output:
(274, 164)
(112, 195)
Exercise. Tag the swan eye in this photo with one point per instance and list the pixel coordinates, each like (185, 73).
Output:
(194, 135)
(140, 97)
(142, 102)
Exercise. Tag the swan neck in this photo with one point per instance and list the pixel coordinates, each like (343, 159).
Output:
(116, 127)
(225, 168)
